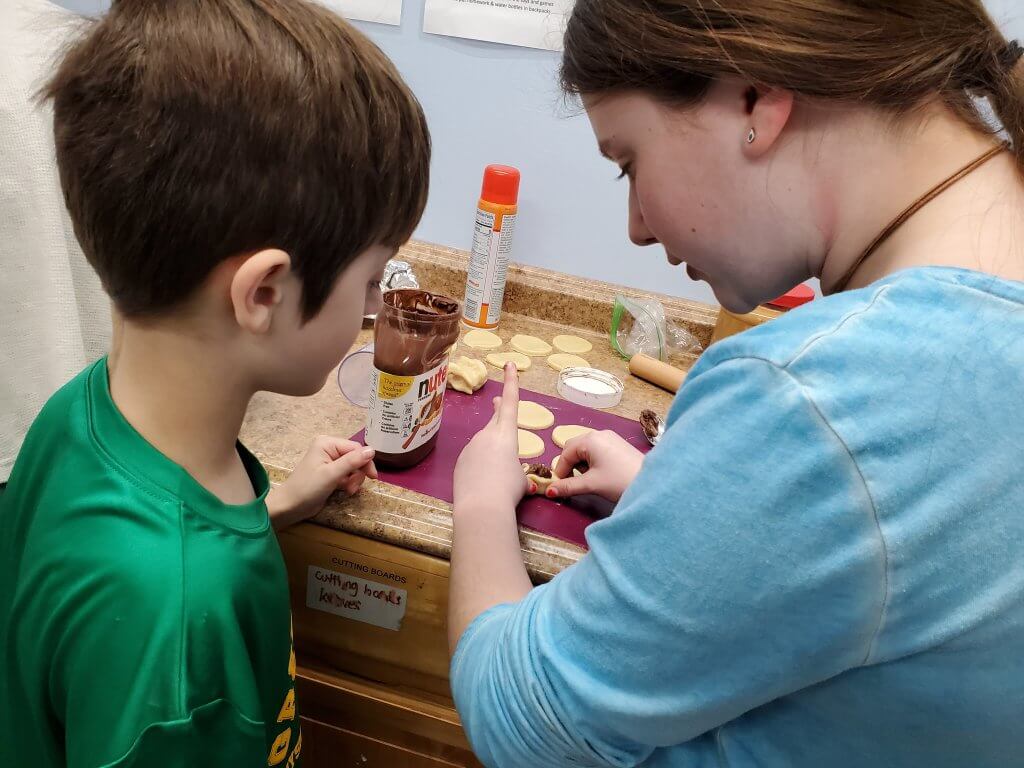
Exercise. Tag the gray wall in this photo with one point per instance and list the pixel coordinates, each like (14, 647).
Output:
(498, 104)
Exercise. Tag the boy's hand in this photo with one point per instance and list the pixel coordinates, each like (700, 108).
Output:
(613, 463)
(488, 474)
(329, 465)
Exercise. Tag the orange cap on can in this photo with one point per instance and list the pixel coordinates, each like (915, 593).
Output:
(501, 185)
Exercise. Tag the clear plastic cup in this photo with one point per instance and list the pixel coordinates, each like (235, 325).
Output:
(354, 375)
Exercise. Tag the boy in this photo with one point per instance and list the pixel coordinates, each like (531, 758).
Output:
(238, 172)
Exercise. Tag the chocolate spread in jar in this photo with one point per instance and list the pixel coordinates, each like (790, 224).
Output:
(412, 337)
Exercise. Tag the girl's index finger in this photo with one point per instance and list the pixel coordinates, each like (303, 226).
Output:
(575, 452)
(509, 412)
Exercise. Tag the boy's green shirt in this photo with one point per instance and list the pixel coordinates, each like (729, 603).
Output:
(143, 621)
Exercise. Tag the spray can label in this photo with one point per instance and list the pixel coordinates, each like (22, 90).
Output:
(488, 266)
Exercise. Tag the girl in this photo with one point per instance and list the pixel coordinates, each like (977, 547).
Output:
(820, 564)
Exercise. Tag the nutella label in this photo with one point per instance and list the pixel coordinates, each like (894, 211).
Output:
(404, 411)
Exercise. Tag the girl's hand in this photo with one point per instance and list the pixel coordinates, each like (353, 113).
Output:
(488, 474)
(613, 465)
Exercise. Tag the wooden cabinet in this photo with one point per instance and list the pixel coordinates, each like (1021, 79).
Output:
(347, 721)
(330, 746)
(371, 641)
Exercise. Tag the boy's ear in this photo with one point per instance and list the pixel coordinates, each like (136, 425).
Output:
(258, 287)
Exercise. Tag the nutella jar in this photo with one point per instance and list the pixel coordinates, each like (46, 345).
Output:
(413, 335)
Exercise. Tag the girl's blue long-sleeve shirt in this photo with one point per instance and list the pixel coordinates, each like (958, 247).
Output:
(821, 564)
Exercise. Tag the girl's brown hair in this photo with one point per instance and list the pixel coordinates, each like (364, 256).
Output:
(893, 55)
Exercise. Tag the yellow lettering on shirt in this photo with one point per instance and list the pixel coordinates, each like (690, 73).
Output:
(295, 752)
(279, 750)
(288, 708)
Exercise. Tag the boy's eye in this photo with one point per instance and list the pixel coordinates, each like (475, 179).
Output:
(627, 170)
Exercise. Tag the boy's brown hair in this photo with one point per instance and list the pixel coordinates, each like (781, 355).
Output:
(893, 55)
(191, 131)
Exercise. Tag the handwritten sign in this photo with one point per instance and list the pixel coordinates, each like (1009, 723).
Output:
(354, 598)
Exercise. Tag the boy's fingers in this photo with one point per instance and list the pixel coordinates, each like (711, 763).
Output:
(354, 482)
(335, 447)
(352, 461)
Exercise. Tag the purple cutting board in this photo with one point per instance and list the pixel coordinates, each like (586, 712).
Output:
(465, 415)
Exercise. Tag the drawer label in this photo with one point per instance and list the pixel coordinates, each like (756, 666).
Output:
(354, 598)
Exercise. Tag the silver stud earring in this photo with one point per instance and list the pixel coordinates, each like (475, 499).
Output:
(751, 136)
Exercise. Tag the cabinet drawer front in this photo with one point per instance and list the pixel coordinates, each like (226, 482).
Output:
(326, 746)
(369, 608)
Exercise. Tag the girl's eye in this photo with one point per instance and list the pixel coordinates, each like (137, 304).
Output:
(627, 170)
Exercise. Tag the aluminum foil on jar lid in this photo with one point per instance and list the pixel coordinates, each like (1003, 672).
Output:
(397, 274)
(590, 387)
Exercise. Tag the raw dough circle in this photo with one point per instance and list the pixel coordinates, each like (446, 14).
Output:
(567, 432)
(479, 339)
(534, 415)
(530, 445)
(530, 345)
(560, 360)
(573, 345)
(498, 360)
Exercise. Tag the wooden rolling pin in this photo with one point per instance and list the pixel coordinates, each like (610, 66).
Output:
(661, 374)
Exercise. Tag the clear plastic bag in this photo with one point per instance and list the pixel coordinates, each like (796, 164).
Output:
(639, 326)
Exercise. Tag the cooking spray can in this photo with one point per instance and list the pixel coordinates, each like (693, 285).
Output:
(492, 247)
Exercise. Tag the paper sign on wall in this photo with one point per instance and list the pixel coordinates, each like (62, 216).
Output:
(380, 11)
(355, 598)
(529, 23)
